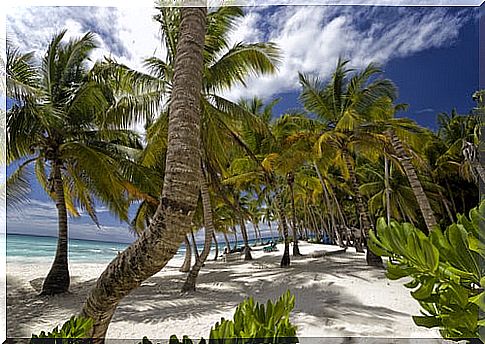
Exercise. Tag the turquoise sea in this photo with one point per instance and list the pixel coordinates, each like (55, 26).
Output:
(28, 248)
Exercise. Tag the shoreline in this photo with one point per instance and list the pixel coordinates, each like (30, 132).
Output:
(336, 296)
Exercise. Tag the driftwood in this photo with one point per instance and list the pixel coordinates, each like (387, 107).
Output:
(319, 254)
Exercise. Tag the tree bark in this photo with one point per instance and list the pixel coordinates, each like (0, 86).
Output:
(161, 240)
(445, 204)
(194, 244)
(235, 238)
(414, 182)
(271, 230)
(285, 260)
(259, 232)
(290, 178)
(216, 253)
(58, 279)
(387, 190)
(329, 206)
(371, 258)
(188, 256)
(226, 239)
(247, 249)
(191, 280)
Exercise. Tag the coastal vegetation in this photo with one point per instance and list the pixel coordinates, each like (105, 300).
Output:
(347, 169)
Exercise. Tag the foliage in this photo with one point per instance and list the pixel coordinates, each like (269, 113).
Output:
(76, 327)
(445, 269)
(252, 323)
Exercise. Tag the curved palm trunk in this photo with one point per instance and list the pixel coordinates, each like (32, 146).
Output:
(58, 280)
(259, 232)
(226, 239)
(296, 250)
(235, 238)
(371, 258)
(414, 182)
(329, 207)
(313, 223)
(247, 249)
(180, 190)
(271, 230)
(194, 243)
(256, 236)
(188, 256)
(285, 260)
(387, 190)
(216, 253)
(209, 231)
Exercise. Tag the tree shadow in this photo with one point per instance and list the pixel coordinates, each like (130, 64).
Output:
(220, 288)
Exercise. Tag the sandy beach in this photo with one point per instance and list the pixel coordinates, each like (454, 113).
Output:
(336, 296)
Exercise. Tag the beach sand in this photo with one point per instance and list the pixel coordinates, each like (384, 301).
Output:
(336, 296)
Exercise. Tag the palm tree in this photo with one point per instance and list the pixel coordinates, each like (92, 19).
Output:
(58, 124)
(343, 106)
(188, 256)
(179, 197)
(189, 284)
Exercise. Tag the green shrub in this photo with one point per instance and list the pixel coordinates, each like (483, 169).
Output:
(252, 323)
(75, 328)
(447, 271)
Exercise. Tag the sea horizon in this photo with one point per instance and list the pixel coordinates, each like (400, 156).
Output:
(29, 248)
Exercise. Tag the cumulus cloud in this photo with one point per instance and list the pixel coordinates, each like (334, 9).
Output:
(128, 34)
(313, 37)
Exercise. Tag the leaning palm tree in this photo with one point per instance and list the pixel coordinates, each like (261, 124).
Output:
(218, 114)
(172, 219)
(58, 124)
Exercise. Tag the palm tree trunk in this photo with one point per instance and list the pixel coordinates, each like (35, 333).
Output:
(388, 190)
(445, 204)
(329, 206)
(256, 237)
(371, 258)
(259, 232)
(194, 243)
(235, 238)
(314, 224)
(188, 256)
(414, 182)
(180, 189)
(216, 253)
(247, 249)
(209, 231)
(271, 230)
(58, 280)
(285, 260)
(296, 251)
(453, 204)
(226, 239)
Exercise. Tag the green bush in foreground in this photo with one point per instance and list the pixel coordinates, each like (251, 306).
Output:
(76, 327)
(252, 323)
(447, 271)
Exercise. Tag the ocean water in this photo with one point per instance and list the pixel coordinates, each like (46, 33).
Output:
(28, 248)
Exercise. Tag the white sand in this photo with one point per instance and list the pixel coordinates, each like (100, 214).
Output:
(336, 296)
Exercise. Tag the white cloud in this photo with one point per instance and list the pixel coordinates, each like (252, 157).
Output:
(313, 37)
(128, 34)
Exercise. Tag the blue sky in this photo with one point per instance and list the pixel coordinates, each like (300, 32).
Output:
(431, 53)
